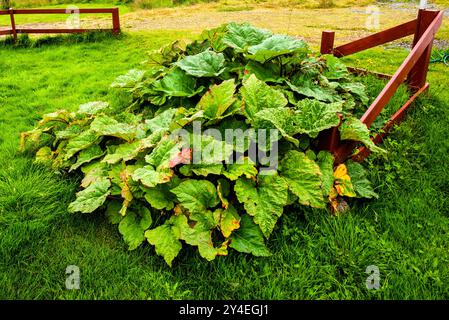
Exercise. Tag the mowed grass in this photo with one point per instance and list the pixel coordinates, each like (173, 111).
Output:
(315, 256)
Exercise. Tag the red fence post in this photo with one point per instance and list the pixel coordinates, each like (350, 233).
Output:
(13, 24)
(418, 74)
(115, 21)
(327, 42)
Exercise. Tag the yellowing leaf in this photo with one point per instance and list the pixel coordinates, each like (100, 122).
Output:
(229, 221)
(343, 183)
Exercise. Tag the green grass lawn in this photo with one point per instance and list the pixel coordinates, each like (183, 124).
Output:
(315, 256)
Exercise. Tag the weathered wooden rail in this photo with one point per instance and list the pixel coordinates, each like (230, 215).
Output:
(413, 72)
(15, 30)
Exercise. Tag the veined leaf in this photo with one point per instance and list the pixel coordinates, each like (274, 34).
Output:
(208, 150)
(306, 87)
(199, 235)
(357, 89)
(335, 68)
(258, 95)
(316, 116)
(245, 168)
(163, 153)
(343, 183)
(362, 186)
(93, 107)
(162, 121)
(242, 36)
(229, 221)
(93, 172)
(275, 46)
(92, 197)
(81, 142)
(44, 155)
(204, 64)
(133, 227)
(87, 155)
(107, 126)
(150, 177)
(354, 129)
(196, 195)
(217, 100)
(160, 197)
(326, 163)
(265, 200)
(125, 152)
(166, 242)
(129, 79)
(268, 72)
(303, 177)
(177, 83)
(249, 239)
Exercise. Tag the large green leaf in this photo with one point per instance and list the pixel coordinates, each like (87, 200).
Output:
(243, 167)
(208, 150)
(93, 172)
(362, 186)
(92, 197)
(258, 95)
(87, 155)
(129, 79)
(249, 239)
(325, 161)
(201, 169)
(229, 221)
(125, 152)
(218, 99)
(307, 87)
(242, 36)
(275, 46)
(196, 195)
(315, 116)
(44, 155)
(166, 242)
(198, 235)
(354, 129)
(204, 64)
(93, 107)
(150, 177)
(162, 121)
(177, 84)
(108, 126)
(303, 177)
(214, 38)
(335, 68)
(282, 119)
(163, 153)
(264, 199)
(133, 227)
(311, 118)
(81, 142)
(268, 72)
(357, 89)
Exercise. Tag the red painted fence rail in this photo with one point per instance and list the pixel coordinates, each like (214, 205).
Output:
(413, 71)
(15, 30)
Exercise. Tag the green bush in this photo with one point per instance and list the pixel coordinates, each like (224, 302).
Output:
(194, 157)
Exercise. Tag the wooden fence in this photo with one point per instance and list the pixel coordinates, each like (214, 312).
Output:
(413, 72)
(15, 30)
